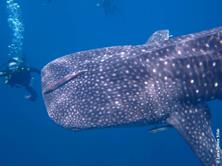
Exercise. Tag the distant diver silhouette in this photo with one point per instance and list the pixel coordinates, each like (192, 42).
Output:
(109, 6)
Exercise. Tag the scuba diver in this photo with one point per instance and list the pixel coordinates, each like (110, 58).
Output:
(18, 74)
(49, 1)
(108, 6)
(46, 2)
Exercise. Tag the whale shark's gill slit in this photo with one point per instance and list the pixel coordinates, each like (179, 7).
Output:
(53, 86)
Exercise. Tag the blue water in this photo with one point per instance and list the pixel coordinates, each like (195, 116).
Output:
(29, 138)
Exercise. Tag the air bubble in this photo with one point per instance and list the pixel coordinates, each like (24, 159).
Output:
(17, 27)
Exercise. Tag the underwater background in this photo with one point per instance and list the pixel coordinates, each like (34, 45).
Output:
(53, 28)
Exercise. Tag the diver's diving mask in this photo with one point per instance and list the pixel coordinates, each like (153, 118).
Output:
(15, 63)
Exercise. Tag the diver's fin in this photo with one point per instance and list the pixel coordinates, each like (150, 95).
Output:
(158, 37)
(193, 123)
(156, 129)
(53, 86)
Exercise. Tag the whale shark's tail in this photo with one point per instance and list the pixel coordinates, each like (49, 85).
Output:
(193, 123)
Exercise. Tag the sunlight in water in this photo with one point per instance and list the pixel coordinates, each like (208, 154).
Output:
(17, 27)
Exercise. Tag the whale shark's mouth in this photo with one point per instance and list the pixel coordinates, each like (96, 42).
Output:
(55, 85)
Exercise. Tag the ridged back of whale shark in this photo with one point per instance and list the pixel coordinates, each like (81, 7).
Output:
(166, 81)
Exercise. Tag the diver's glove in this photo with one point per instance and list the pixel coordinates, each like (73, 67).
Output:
(2, 73)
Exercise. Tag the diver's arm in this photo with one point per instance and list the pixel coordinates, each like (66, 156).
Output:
(35, 70)
(3, 73)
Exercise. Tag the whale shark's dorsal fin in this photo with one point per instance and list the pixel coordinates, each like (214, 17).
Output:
(158, 37)
(193, 123)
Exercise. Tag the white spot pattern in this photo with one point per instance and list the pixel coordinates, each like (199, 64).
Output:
(161, 83)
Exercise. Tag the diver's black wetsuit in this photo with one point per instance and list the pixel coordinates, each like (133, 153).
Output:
(21, 78)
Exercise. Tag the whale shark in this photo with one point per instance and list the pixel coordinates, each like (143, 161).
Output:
(166, 83)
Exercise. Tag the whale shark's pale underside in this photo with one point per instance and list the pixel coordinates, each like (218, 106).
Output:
(167, 82)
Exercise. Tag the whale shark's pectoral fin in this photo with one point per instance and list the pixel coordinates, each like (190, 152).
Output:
(158, 37)
(193, 123)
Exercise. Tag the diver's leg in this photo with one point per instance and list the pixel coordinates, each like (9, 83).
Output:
(35, 70)
(32, 93)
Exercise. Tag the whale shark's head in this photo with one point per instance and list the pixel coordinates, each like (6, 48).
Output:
(98, 88)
